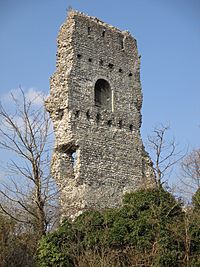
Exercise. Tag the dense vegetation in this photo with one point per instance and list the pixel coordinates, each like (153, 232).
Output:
(150, 229)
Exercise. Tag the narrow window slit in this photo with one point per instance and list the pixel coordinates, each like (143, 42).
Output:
(89, 30)
(131, 127)
(120, 70)
(88, 114)
(120, 124)
(103, 33)
(79, 56)
(77, 113)
(122, 44)
(109, 123)
(90, 60)
(130, 74)
(101, 62)
(98, 117)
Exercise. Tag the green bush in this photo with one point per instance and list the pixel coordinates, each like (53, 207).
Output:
(196, 200)
(90, 228)
(56, 249)
(143, 222)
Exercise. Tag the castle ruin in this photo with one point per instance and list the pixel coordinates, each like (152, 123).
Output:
(95, 104)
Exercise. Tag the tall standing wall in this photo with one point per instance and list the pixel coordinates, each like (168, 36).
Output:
(95, 105)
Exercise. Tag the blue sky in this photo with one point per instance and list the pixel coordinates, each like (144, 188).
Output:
(168, 37)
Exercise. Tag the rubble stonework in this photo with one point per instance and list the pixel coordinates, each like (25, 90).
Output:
(95, 105)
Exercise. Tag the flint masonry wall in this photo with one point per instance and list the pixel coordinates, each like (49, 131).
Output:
(95, 105)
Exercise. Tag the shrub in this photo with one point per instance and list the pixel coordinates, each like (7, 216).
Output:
(196, 200)
(56, 249)
(146, 222)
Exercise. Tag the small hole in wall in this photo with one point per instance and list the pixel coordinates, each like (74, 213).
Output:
(110, 65)
(77, 113)
(130, 74)
(71, 152)
(98, 117)
(90, 60)
(131, 127)
(110, 123)
(120, 124)
(79, 56)
(101, 62)
(120, 70)
(59, 113)
(88, 114)
(89, 30)
(103, 33)
(122, 44)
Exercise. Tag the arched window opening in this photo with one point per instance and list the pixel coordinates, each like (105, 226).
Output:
(102, 94)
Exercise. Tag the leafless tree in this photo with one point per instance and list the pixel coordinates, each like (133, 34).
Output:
(164, 153)
(28, 193)
(190, 173)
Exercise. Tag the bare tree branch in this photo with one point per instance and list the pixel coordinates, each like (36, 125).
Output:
(190, 173)
(26, 134)
(164, 153)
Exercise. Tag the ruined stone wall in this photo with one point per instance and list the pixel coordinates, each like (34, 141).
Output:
(95, 104)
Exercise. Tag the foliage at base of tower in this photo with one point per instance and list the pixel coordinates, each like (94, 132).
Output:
(57, 249)
(147, 228)
(17, 244)
(194, 230)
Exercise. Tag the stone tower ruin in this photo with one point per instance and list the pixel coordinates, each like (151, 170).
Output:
(95, 105)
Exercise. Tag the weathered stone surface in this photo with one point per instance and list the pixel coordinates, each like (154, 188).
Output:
(95, 105)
